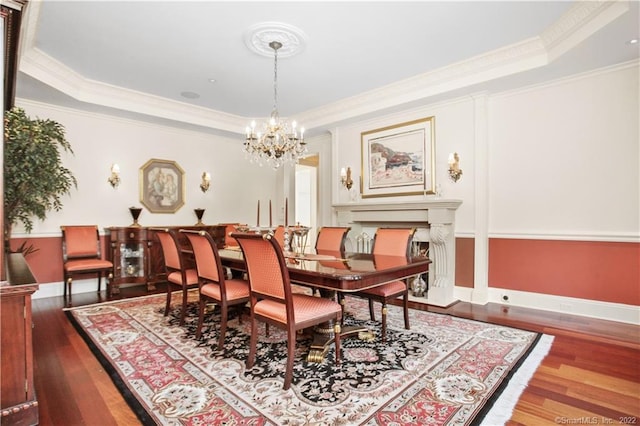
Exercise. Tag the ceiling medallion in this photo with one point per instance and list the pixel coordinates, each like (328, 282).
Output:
(259, 36)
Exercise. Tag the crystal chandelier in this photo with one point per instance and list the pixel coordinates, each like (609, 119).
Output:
(278, 142)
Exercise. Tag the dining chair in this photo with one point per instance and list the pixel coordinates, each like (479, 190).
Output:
(278, 234)
(81, 255)
(178, 274)
(332, 238)
(228, 229)
(273, 302)
(212, 284)
(389, 242)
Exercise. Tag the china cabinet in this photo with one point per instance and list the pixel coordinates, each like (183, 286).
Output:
(129, 250)
(137, 256)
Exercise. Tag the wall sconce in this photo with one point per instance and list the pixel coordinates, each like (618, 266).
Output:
(114, 179)
(206, 181)
(455, 172)
(345, 177)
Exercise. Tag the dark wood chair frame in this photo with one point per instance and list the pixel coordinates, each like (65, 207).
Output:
(181, 267)
(225, 303)
(384, 300)
(99, 267)
(292, 327)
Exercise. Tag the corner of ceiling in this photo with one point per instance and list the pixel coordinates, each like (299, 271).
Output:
(581, 21)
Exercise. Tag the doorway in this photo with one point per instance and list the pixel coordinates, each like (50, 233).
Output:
(306, 190)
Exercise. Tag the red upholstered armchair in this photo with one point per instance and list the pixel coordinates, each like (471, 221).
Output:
(177, 272)
(273, 302)
(331, 239)
(212, 284)
(81, 255)
(389, 242)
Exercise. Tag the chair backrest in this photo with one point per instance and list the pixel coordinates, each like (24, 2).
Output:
(393, 241)
(80, 242)
(228, 229)
(266, 267)
(278, 235)
(332, 238)
(205, 252)
(170, 248)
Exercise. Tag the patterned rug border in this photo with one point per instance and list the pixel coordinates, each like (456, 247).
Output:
(137, 407)
(497, 410)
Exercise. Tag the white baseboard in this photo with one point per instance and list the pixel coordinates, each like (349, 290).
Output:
(572, 306)
(57, 289)
(79, 286)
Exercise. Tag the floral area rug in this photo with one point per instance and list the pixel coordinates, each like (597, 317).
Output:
(444, 371)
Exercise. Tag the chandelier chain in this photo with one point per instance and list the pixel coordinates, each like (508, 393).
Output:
(275, 46)
(279, 142)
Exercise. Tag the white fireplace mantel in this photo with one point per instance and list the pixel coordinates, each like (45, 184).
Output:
(437, 216)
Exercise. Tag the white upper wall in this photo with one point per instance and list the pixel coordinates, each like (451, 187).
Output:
(563, 157)
(563, 161)
(100, 140)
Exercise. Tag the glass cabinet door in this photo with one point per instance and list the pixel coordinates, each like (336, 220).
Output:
(132, 259)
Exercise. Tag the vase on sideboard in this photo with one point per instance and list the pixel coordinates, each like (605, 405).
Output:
(199, 213)
(135, 214)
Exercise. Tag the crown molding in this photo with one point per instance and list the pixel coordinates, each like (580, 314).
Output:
(578, 23)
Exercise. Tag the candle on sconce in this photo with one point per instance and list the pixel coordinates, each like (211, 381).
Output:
(258, 218)
(343, 172)
(270, 216)
(452, 160)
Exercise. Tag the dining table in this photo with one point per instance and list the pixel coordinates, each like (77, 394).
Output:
(331, 272)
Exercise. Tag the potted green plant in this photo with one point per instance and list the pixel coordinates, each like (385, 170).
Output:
(34, 178)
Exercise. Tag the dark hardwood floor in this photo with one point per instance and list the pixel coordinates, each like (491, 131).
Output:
(591, 375)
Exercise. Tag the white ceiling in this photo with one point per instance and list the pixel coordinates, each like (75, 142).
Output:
(135, 58)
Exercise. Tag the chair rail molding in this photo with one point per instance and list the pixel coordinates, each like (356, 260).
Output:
(437, 216)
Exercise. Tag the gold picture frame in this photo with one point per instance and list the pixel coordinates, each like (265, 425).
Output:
(162, 186)
(399, 160)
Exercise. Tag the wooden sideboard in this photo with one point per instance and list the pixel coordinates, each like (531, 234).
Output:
(137, 256)
(18, 404)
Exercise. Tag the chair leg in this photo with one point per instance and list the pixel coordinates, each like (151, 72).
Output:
(405, 305)
(99, 280)
(253, 342)
(223, 325)
(183, 312)
(291, 349)
(168, 304)
(68, 283)
(384, 321)
(201, 307)
(343, 303)
(64, 289)
(371, 313)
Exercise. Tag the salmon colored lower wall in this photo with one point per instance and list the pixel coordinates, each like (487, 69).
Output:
(46, 263)
(602, 271)
(465, 258)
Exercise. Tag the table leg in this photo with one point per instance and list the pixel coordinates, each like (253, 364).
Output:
(323, 335)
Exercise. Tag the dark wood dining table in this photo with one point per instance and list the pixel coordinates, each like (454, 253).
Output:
(333, 272)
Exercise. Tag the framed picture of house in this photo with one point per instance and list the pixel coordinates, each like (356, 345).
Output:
(162, 186)
(399, 159)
